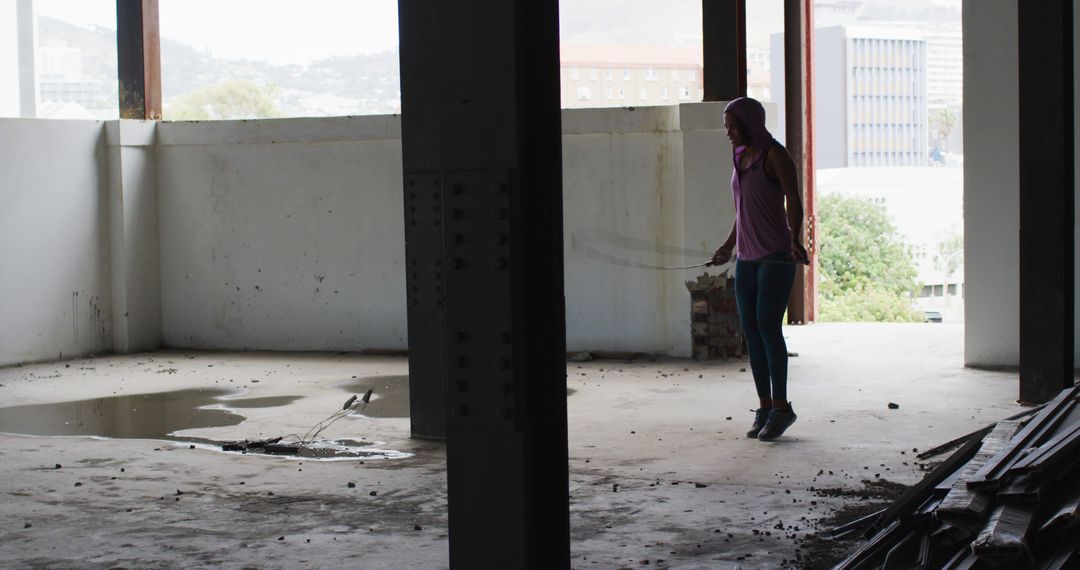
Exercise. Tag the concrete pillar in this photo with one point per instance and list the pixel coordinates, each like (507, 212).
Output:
(133, 236)
(28, 77)
(991, 181)
(9, 59)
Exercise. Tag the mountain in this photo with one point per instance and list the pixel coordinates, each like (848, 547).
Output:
(363, 84)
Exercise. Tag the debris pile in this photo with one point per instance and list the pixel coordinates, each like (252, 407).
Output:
(294, 444)
(714, 318)
(1009, 497)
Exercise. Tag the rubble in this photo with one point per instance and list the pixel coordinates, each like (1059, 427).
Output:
(1009, 497)
(714, 319)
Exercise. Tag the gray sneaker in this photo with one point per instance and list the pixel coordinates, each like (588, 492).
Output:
(779, 421)
(761, 416)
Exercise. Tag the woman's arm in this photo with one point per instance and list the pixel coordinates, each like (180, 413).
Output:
(723, 254)
(784, 169)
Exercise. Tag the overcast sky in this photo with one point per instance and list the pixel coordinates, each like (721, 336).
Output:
(291, 31)
(280, 31)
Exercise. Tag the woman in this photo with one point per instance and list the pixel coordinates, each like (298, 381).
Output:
(768, 240)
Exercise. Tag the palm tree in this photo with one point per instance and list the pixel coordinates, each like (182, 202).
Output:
(942, 122)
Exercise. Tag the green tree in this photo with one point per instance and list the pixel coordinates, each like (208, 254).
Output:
(867, 273)
(950, 252)
(942, 122)
(231, 99)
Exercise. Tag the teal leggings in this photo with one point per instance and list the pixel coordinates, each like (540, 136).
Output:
(762, 288)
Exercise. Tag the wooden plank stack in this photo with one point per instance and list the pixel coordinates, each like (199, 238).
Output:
(1009, 497)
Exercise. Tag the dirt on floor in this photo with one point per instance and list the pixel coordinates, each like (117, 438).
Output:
(819, 551)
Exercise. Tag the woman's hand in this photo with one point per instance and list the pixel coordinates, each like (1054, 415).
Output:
(722, 255)
(798, 252)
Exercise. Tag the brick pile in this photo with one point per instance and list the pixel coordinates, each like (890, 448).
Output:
(714, 318)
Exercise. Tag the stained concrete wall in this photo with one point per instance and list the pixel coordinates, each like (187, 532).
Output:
(991, 182)
(288, 234)
(623, 208)
(282, 235)
(54, 240)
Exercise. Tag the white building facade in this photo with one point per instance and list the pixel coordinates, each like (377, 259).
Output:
(876, 114)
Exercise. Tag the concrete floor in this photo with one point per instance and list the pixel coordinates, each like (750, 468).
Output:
(661, 474)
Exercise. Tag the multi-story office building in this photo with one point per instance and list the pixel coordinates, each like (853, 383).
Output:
(605, 75)
(944, 67)
(870, 96)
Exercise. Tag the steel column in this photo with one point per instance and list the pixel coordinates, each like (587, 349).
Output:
(138, 52)
(799, 102)
(1047, 186)
(481, 147)
(723, 49)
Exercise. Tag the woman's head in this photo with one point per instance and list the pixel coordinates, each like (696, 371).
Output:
(736, 130)
(744, 120)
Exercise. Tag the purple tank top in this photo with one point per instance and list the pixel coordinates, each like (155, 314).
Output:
(761, 226)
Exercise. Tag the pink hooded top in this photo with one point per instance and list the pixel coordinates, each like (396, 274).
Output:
(761, 226)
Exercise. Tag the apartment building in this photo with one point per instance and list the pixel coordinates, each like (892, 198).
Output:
(608, 75)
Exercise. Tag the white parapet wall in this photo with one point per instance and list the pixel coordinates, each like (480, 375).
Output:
(283, 234)
(288, 234)
(55, 286)
(623, 210)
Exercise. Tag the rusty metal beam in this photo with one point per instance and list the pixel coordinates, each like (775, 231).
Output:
(138, 52)
(799, 107)
(723, 49)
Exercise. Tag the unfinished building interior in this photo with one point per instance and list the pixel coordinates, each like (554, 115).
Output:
(173, 288)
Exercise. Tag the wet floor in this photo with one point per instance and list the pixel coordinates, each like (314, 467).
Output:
(141, 416)
(264, 402)
(161, 415)
(390, 395)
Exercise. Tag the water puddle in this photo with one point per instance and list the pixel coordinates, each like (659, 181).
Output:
(264, 402)
(161, 415)
(140, 416)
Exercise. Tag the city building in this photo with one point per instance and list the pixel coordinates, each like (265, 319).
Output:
(610, 75)
(870, 96)
(62, 79)
(758, 69)
(944, 66)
